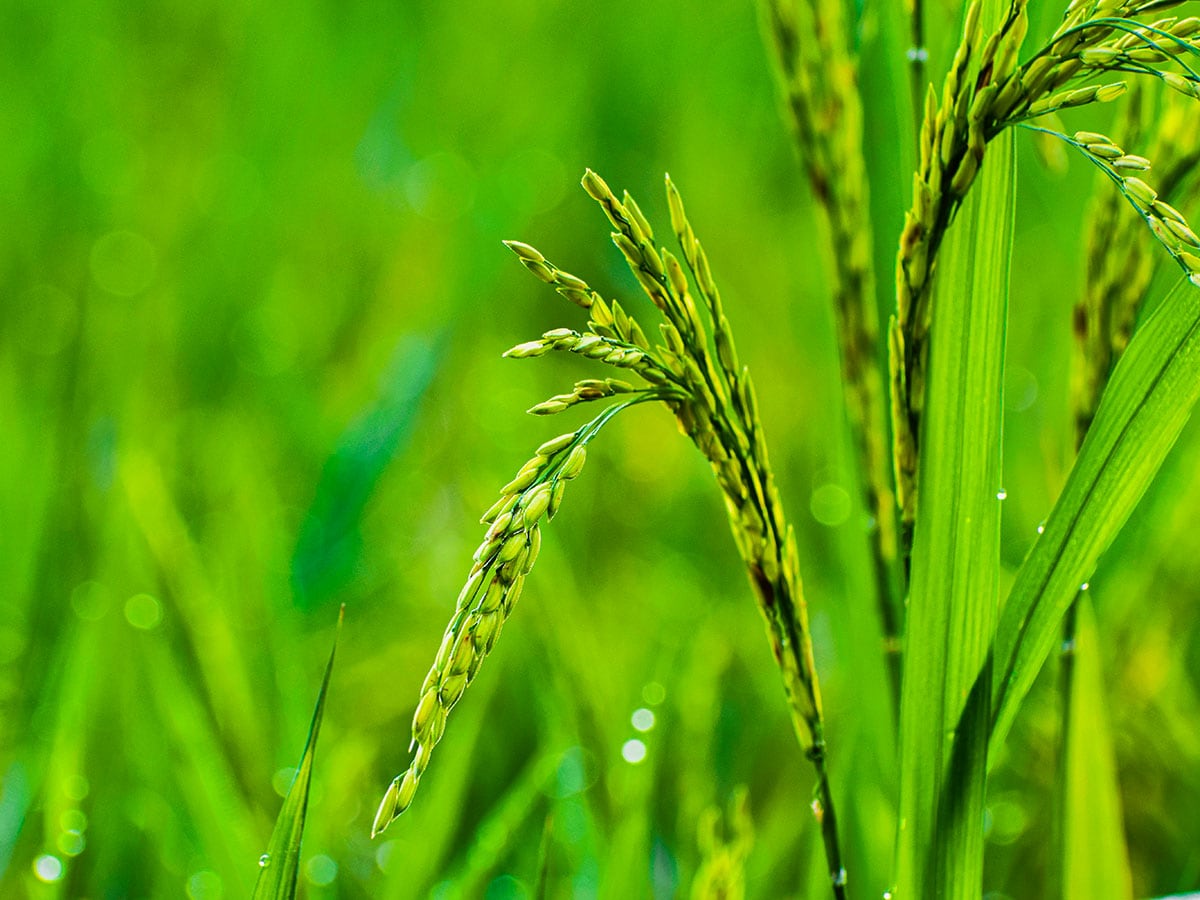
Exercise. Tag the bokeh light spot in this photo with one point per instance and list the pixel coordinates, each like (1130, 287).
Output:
(71, 843)
(76, 787)
(642, 719)
(440, 187)
(282, 780)
(44, 320)
(633, 751)
(321, 870)
(143, 611)
(830, 505)
(123, 263)
(74, 820)
(1020, 389)
(91, 601)
(205, 885)
(48, 868)
(654, 693)
(383, 856)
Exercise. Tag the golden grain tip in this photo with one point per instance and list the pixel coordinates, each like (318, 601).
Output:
(525, 350)
(525, 251)
(387, 808)
(1108, 92)
(596, 186)
(553, 445)
(1185, 86)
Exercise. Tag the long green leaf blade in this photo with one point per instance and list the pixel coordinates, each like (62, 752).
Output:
(1094, 860)
(956, 558)
(1147, 403)
(280, 865)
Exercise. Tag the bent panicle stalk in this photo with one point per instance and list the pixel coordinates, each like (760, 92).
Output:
(695, 372)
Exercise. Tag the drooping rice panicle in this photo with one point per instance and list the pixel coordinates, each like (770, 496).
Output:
(985, 92)
(501, 563)
(1120, 258)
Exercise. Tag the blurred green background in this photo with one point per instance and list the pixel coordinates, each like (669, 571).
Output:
(253, 305)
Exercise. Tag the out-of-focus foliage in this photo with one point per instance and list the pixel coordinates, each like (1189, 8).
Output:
(252, 301)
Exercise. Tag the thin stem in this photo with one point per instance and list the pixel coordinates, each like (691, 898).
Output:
(918, 55)
(823, 809)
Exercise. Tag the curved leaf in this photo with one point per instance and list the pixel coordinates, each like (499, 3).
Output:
(1147, 403)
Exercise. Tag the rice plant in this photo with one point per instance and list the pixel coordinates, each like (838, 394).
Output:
(253, 371)
(970, 660)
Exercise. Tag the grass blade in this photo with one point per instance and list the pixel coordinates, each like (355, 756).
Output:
(954, 590)
(1094, 860)
(280, 865)
(328, 546)
(1147, 403)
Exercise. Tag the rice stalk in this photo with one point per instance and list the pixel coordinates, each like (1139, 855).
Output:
(696, 373)
(985, 92)
(819, 76)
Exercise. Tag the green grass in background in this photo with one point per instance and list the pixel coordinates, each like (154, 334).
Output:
(252, 304)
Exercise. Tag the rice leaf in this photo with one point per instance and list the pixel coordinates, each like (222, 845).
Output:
(954, 589)
(328, 545)
(1148, 401)
(1094, 862)
(279, 867)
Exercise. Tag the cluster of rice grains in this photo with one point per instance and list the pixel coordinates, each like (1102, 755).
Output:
(1120, 260)
(986, 91)
(695, 372)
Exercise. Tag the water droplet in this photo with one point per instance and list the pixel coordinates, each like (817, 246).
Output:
(1084, 586)
(887, 895)
(1002, 494)
(1068, 646)
(264, 860)
(1041, 528)
(839, 880)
